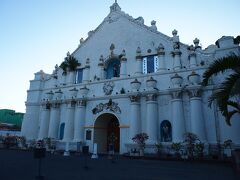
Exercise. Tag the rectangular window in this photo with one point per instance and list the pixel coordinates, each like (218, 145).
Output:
(150, 64)
(79, 76)
(88, 135)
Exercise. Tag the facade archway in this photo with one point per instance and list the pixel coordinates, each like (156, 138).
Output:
(107, 133)
(112, 68)
(166, 131)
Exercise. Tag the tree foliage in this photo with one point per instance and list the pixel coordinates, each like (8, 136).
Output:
(70, 63)
(229, 89)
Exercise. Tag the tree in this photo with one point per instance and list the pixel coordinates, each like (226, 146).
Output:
(227, 95)
(70, 63)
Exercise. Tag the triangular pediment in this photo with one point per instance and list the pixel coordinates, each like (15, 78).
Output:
(119, 26)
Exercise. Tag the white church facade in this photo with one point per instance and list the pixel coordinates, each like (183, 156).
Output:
(131, 79)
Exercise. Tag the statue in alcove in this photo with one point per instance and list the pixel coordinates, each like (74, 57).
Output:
(115, 70)
(166, 131)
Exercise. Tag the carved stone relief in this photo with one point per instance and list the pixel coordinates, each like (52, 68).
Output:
(134, 98)
(194, 93)
(109, 106)
(177, 95)
(108, 88)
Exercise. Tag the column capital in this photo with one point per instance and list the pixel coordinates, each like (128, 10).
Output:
(56, 105)
(193, 54)
(176, 53)
(123, 58)
(177, 94)
(46, 105)
(81, 102)
(151, 97)
(70, 103)
(161, 53)
(135, 98)
(194, 93)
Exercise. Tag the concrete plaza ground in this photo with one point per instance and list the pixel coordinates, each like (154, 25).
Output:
(20, 165)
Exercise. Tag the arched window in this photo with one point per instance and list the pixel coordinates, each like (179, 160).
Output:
(166, 131)
(113, 69)
(61, 134)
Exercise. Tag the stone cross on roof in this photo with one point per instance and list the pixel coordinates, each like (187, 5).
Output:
(115, 7)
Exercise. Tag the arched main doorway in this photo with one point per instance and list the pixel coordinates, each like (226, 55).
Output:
(107, 133)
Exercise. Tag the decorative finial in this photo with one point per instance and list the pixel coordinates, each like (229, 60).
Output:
(115, 7)
(153, 22)
(138, 51)
(101, 59)
(112, 47)
(196, 42)
(174, 32)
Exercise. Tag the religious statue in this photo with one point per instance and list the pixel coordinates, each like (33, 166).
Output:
(166, 131)
(115, 70)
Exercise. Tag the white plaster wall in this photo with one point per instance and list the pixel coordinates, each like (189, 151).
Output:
(126, 34)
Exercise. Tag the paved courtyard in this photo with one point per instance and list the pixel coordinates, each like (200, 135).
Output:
(21, 165)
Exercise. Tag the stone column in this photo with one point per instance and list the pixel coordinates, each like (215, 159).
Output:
(138, 62)
(192, 57)
(152, 118)
(69, 124)
(101, 68)
(86, 71)
(177, 59)
(71, 75)
(123, 69)
(197, 120)
(161, 58)
(54, 120)
(44, 121)
(79, 121)
(176, 51)
(178, 126)
(135, 119)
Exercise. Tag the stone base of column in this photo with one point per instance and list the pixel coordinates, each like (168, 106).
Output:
(77, 140)
(66, 152)
(151, 142)
(138, 73)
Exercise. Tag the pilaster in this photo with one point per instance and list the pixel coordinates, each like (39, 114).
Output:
(135, 119)
(152, 118)
(79, 120)
(69, 124)
(178, 125)
(44, 120)
(54, 120)
(196, 113)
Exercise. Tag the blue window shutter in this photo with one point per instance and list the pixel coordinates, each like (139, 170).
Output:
(156, 63)
(144, 65)
(79, 76)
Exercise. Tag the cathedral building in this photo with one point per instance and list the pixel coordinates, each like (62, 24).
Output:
(131, 78)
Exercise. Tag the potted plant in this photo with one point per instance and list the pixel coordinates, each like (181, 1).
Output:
(176, 147)
(190, 140)
(140, 139)
(158, 147)
(199, 147)
(227, 145)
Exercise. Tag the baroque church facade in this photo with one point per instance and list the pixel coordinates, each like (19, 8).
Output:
(131, 79)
